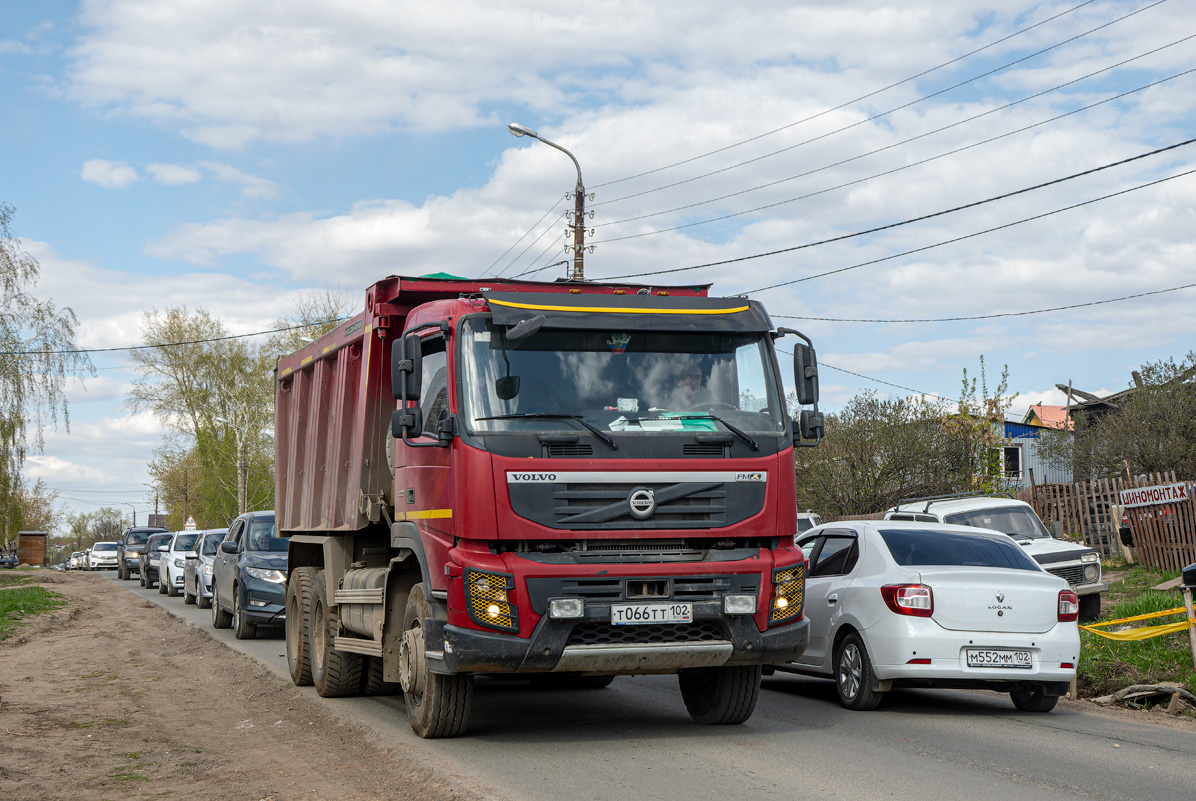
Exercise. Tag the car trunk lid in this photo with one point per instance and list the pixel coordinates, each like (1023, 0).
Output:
(985, 599)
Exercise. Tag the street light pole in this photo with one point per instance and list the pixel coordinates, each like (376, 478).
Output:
(134, 508)
(155, 489)
(579, 202)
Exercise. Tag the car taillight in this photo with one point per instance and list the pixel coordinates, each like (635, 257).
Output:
(1069, 606)
(1125, 519)
(909, 599)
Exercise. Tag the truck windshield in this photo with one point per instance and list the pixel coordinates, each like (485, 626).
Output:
(1018, 522)
(617, 380)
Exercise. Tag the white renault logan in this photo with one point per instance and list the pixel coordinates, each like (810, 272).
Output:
(897, 604)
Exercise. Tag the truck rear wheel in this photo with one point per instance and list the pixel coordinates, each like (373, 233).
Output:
(720, 695)
(334, 673)
(299, 623)
(372, 682)
(437, 706)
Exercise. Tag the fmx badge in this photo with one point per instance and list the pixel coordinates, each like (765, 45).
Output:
(750, 477)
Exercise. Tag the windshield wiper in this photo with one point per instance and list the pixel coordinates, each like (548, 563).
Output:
(599, 433)
(707, 416)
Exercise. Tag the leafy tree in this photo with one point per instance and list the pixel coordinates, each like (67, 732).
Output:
(37, 355)
(1153, 430)
(87, 528)
(314, 314)
(878, 451)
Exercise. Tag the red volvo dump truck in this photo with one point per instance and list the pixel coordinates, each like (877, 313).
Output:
(566, 481)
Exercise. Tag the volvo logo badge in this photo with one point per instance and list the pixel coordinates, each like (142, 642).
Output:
(642, 502)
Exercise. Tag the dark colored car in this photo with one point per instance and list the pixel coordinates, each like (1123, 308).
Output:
(148, 567)
(130, 548)
(249, 576)
(9, 559)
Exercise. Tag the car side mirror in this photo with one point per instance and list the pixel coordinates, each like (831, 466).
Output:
(228, 546)
(163, 548)
(191, 555)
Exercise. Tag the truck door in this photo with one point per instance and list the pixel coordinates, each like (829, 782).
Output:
(423, 483)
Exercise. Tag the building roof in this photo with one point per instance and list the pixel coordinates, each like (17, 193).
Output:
(1048, 416)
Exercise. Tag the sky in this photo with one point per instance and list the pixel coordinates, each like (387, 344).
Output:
(236, 155)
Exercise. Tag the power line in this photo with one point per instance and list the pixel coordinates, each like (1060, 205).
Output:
(851, 102)
(882, 114)
(986, 316)
(979, 233)
(870, 378)
(891, 147)
(162, 344)
(520, 239)
(911, 220)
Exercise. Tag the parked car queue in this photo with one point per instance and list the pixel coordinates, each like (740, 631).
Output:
(238, 572)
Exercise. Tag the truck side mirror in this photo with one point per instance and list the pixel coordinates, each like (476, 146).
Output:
(406, 368)
(406, 423)
(810, 424)
(805, 374)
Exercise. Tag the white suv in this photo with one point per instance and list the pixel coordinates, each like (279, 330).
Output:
(1078, 564)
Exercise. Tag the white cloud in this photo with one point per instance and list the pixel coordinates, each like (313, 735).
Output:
(109, 174)
(251, 185)
(174, 174)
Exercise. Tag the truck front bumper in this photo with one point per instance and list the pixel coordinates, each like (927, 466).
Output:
(554, 648)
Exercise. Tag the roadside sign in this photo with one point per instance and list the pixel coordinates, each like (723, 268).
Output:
(1148, 496)
(190, 524)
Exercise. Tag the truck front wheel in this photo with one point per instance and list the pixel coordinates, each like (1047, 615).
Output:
(298, 624)
(720, 695)
(334, 673)
(437, 706)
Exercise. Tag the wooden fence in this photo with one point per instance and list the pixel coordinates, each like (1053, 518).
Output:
(1090, 512)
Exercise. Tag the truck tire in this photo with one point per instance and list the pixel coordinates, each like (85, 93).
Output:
(853, 676)
(220, 618)
(720, 695)
(372, 682)
(299, 623)
(242, 628)
(1033, 700)
(334, 673)
(437, 706)
(1090, 607)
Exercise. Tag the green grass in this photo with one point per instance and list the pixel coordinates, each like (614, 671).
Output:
(1108, 665)
(18, 603)
(11, 578)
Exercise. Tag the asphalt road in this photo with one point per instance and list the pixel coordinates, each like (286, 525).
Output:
(634, 741)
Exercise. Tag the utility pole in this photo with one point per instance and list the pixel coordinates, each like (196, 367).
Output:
(242, 474)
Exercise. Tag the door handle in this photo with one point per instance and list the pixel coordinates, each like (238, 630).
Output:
(832, 599)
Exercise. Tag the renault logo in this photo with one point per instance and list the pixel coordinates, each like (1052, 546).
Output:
(1000, 597)
(643, 503)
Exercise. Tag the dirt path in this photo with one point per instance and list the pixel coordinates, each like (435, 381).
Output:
(112, 698)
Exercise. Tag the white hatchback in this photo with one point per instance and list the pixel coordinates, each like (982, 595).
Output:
(897, 604)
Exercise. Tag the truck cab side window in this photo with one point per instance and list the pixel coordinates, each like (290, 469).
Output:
(434, 400)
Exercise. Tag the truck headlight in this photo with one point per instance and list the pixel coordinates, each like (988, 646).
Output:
(1091, 573)
(787, 586)
(487, 600)
(1090, 557)
(567, 608)
(739, 604)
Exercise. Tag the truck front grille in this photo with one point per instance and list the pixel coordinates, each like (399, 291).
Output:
(606, 634)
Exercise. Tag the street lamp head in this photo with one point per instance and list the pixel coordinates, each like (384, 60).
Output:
(522, 130)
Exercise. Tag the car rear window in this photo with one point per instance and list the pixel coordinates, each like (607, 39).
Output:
(185, 542)
(211, 543)
(911, 547)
